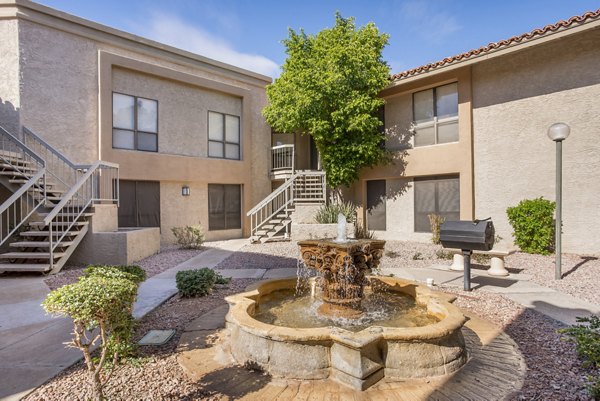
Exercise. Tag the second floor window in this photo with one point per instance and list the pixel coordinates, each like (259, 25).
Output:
(135, 123)
(435, 114)
(223, 136)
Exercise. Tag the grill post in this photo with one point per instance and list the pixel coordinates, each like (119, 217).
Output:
(467, 273)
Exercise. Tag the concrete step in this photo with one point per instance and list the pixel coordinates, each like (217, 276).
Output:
(38, 244)
(38, 233)
(84, 214)
(58, 223)
(31, 255)
(25, 267)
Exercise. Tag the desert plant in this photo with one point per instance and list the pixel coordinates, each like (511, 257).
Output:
(198, 282)
(418, 256)
(533, 225)
(436, 221)
(328, 214)
(443, 254)
(361, 232)
(99, 307)
(189, 237)
(587, 342)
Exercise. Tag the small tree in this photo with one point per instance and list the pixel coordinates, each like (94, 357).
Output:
(100, 307)
(436, 221)
(532, 221)
(329, 89)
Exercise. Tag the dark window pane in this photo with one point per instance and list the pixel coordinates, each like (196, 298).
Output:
(439, 196)
(233, 206)
(127, 208)
(139, 203)
(224, 207)
(216, 207)
(147, 142)
(376, 211)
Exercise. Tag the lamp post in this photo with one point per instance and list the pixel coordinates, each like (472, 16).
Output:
(558, 132)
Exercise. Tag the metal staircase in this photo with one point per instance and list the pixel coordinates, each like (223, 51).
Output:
(51, 203)
(270, 220)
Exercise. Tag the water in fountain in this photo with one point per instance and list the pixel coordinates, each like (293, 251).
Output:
(341, 229)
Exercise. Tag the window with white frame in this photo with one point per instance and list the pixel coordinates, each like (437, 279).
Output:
(223, 136)
(135, 123)
(435, 114)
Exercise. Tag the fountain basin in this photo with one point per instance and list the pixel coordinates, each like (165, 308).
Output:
(357, 359)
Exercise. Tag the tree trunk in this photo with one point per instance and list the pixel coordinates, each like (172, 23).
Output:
(96, 383)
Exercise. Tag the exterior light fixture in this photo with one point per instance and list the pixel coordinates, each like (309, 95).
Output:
(558, 132)
(185, 190)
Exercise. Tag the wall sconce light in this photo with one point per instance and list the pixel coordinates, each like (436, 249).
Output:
(185, 190)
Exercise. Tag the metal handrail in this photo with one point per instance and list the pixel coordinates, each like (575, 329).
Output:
(283, 158)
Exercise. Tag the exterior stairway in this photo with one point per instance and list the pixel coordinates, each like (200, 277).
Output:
(47, 215)
(270, 220)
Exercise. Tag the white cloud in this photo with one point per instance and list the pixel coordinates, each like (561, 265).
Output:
(433, 25)
(174, 31)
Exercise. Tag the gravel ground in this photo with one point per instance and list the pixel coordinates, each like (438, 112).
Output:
(158, 376)
(270, 255)
(169, 256)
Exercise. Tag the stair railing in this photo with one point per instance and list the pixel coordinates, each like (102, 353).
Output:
(302, 186)
(98, 183)
(31, 195)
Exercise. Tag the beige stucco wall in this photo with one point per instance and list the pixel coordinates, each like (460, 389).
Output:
(9, 75)
(515, 99)
(69, 68)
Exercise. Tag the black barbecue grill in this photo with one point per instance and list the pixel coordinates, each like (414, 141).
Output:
(468, 236)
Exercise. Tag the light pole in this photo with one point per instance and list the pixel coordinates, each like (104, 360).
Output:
(558, 132)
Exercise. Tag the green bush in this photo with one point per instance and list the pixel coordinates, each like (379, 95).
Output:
(587, 342)
(532, 221)
(101, 305)
(328, 214)
(198, 282)
(436, 222)
(130, 272)
(189, 237)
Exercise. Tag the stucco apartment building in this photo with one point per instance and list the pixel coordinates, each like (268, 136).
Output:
(185, 130)
(469, 135)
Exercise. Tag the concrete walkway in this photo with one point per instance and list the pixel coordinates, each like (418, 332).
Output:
(32, 347)
(517, 287)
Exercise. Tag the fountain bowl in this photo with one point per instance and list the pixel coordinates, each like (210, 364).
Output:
(356, 359)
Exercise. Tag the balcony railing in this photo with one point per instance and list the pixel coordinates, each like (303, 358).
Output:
(282, 159)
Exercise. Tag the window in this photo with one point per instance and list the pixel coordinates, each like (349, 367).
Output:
(139, 203)
(223, 136)
(224, 207)
(435, 113)
(436, 196)
(135, 123)
(376, 212)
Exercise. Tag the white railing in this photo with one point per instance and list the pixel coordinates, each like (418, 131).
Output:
(282, 158)
(302, 186)
(99, 182)
(25, 165)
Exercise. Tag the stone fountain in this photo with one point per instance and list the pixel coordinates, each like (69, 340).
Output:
(356, 329)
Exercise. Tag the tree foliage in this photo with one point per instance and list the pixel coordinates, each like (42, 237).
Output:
(328, 89)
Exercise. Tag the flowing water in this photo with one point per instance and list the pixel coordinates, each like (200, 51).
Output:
(388, 309)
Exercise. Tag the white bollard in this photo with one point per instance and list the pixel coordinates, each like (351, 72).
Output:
(497, 267)
(458, 262)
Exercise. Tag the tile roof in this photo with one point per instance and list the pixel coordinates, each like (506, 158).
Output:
(494, 46)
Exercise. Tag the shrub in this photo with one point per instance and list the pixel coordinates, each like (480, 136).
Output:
(361, 232)
(328, 214)
(100, 307)
(198, 282)
(443, 254)
(587, 339)
(189, 237)
(532, 221)
(130, 272)
(436, 222)
(418, 256)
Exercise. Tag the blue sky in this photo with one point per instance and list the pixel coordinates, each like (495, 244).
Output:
(248, 33)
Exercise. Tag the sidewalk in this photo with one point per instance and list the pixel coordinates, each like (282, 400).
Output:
(32, 343)
(517, 287)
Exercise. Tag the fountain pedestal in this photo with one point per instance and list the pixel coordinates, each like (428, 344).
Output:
(342, 268)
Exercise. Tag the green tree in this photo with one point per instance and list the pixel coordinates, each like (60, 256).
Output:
(328, 89)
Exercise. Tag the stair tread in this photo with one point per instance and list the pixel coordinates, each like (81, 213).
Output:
(38, 244)
(30, 255)
(36, 267)
(84, 214)
(38, 233)
(13, 167)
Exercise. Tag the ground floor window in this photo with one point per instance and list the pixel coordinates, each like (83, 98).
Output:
(436, 195)
(139, 203)
(376, 211)
(224, 207)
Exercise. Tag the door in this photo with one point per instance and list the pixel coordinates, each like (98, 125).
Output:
(139, 203)
(376, 214)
